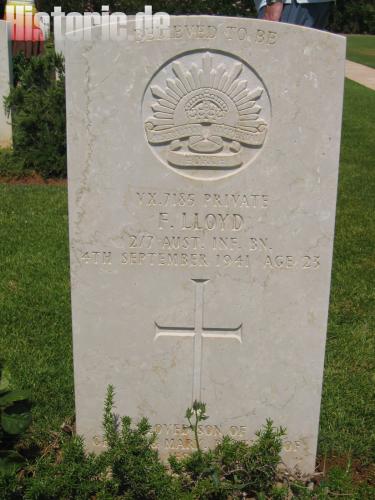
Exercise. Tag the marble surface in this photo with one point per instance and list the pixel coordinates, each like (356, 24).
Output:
(202, 191)
(5, 72)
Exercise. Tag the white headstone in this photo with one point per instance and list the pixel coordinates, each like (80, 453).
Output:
(5, 73)
(59, 35)
(202, 184)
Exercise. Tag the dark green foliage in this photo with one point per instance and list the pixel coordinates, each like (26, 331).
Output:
(128, 469)
(353, 16)
(65, 472)
(8, 167)
(15, 419)
(233, 468)
(135, 467)
(37, 103)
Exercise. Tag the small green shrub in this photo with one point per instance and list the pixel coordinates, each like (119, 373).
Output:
(64, 471)
(134, 464)
(233, 469)
(15, 419)
(37, 104)
(130, 469)
(8, 167)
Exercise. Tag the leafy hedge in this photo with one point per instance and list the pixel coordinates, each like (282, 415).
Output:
(354, 16)
(37, 104)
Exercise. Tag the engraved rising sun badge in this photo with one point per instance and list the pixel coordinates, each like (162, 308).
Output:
(207, 115)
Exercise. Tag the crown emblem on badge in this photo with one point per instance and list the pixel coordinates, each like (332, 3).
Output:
(206, 116)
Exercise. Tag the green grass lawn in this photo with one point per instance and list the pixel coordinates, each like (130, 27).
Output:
(361, 49)
(35, 301)
(35, 320)
(348, 408)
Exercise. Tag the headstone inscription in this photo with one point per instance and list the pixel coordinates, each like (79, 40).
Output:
(202, 190)
(5, 73)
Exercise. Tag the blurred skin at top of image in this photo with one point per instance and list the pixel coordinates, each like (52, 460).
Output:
(26, 34)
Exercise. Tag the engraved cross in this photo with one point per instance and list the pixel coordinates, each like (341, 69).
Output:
(198, 332)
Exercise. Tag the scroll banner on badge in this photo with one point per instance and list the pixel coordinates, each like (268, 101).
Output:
(253, 137)
(207, 161)
(171, 133)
